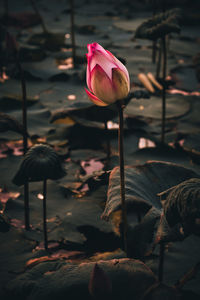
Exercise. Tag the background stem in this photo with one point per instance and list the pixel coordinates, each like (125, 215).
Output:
(154, 51)
(161, 261)
(6, 9)
(45, 214)
(25, 143)
(159, 61)
(39, 16)
(72, 31)
(154, 43)
(122, 177)
(164, 89)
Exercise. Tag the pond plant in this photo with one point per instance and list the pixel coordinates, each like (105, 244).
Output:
(158, 28)
(40, 163)
(108, 82)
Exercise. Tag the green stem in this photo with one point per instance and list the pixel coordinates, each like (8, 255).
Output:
(161, 262)
(164, 89)
(72, 31)
(45, 214)
(107, 140)
(39, 16)
(122, 177)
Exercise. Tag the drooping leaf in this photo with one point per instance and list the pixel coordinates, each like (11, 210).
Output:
(159, 25)
(182, 205)
(143, 183)
(40, 162)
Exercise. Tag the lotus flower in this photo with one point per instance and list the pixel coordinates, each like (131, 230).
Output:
(107, 78)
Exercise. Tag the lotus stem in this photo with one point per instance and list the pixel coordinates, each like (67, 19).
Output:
(154, 43)
(107, 140)
(45, 214)
(39, 16)
(122, 177)
(161, 261)
(164, 89)
(164, 6)
(154, 52)
(25, 143)
(72, 31)
(159, 61)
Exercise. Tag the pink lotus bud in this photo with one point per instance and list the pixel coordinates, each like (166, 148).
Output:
(107, 78)
(100, 286)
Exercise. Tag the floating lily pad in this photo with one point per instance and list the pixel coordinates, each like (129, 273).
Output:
(9, 123)
(176, 106)
(48, 40)
(192, 143)
(185, 78)
(14, 101)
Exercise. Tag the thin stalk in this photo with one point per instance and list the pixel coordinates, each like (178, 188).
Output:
(161, 262)
(6, 9)
(154, 51)
(39, 16)
(159, 61)
(164, 89)
(139, 218)
(25, 142)
(154, 43)
(107, 140)
(122, 177)
(45, 214)
(72, 31)
(164, 6)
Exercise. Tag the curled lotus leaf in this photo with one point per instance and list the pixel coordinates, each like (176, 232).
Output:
(182, 206)
(143, 183)
(160, 25)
